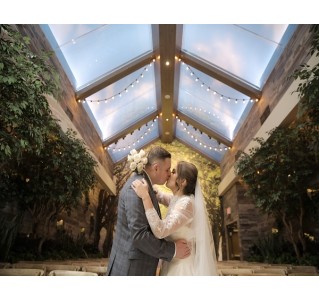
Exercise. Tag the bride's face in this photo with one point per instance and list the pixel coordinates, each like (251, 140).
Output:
(171, 182)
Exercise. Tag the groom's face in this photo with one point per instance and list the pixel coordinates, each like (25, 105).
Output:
(162, 171)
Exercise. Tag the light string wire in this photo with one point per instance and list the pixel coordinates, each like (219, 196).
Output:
(125, 90)
(191, 72)
(211, 90)
(147, 131)
(185, 126)
(207, 112)
(198, 139)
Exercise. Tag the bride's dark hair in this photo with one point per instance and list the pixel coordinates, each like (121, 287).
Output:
(188, 171)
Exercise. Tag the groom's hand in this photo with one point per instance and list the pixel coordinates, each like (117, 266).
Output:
(182, 249)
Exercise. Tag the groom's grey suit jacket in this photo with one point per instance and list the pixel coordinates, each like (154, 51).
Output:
(135, 250)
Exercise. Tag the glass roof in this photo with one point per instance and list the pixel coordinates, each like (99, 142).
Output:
(115, 66)
(207, 145)
(201, 97)
(135, 140)
(90, 51)
(243, 50)
(133, 95)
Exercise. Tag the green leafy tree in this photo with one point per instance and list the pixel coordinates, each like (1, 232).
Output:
(25, 115)
(276, 174)
(43, 170)
(25, 78)
(51, 182)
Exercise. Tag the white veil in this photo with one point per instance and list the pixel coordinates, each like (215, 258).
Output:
(205, 255)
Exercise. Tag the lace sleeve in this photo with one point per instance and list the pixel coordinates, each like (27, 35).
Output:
(179, 215)
(163, 198)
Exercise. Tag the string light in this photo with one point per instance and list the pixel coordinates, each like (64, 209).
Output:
(198, 139)
(120, 93)
(209, 89)
(203, 110)
(148, 130)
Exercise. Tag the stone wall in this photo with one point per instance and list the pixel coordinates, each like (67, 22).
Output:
(252, 224)
(246, 218)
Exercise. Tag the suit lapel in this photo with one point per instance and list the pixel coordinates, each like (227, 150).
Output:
(152, 194)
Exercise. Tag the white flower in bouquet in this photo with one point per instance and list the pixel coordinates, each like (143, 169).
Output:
(133, 166)
(137, 160)
(140, 167)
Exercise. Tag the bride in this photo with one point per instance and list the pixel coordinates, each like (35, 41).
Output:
(186, 219)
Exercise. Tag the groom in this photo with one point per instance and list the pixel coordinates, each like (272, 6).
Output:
(135, 250)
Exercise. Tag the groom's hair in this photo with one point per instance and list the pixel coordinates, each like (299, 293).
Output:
(157, 153)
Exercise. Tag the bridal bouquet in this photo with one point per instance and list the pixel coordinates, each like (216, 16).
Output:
(137, 160)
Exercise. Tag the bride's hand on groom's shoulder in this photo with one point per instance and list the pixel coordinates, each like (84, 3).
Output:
(140, 187)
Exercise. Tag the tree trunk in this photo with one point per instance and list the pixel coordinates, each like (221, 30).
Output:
(42, 240)
(35, 227)
(100, 214)
(300, 231)
(46, 232)
(8, 233)
(302, 241)
(290, 232)
(96, 240)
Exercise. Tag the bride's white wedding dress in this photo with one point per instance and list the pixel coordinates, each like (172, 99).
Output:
(178, 224)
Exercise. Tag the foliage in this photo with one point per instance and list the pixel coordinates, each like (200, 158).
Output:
(269, 248)
(278, 169)
(25, 78)
(52, 181)
(277, 173)
(274, 249)
(61, 247)
(42, 169)
(8, 231)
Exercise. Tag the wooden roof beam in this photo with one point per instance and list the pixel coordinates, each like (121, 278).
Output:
(129, 129)
(169, 40)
